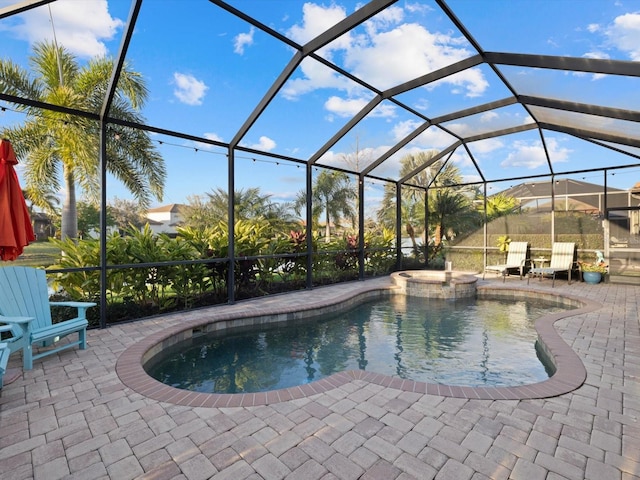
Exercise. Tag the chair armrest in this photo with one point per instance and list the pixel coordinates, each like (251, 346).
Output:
(16, 320)
(18, 326)
(81, 306)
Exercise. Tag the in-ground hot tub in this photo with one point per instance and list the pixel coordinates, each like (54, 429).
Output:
(435, 283)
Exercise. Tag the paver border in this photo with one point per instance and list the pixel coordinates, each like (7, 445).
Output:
(570, 371)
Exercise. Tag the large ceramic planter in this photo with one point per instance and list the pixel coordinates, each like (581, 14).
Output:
(592, 277)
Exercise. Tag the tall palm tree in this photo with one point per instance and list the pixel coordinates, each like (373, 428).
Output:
(64, 150)
(332, 194)
(249, 204)
(412, 198)
(450, 207)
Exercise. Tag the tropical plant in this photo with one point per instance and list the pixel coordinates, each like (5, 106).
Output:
(333, 195)
(251, 239)
(379, 255)
(450, 211)
(64, 149)
(499, 205)
(503, 242)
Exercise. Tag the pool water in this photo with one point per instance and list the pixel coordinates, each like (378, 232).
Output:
(470, 342)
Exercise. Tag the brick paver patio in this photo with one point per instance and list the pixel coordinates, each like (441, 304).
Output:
(72, 416)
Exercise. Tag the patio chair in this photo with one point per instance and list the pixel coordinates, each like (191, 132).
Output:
(25, 307)
(4, 359)
(563, 259)
(517, 257)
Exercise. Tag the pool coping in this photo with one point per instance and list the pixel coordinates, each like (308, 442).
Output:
(570, 371)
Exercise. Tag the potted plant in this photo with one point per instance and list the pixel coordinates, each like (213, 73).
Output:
(592, 272)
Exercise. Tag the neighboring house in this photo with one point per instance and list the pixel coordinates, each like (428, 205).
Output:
(165, 219)
(42, 226)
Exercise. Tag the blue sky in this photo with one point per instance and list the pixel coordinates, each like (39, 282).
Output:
(206, 71)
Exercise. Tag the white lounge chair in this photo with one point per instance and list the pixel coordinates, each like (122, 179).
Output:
(563, 258)
(516, 259)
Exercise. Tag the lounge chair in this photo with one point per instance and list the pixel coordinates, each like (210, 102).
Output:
(563, 258)
(517, 256)
(25, 307)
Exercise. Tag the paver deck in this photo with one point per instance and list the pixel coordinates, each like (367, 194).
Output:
(72, 416)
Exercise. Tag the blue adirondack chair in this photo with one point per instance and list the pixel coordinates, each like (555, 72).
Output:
(4, 359)
(25, 307)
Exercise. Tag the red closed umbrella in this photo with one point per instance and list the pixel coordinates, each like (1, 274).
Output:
(16, 231)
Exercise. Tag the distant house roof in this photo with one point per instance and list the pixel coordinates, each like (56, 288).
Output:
(565, 186)
(172, 207)
(584, 195)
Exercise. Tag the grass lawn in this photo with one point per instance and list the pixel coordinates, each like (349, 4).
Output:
(38, 254)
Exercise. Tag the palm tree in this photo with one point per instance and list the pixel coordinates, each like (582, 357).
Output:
(332, 194)
(450, 211)
(450, 207)
(499, 205)
(412, 198)
(249, 204)
(63, 149)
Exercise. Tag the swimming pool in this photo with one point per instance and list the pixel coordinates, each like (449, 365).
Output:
(483, 342)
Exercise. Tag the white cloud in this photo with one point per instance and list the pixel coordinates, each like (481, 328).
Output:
(409, 51)
(488, 145)
(385, 19)
(469, 82)
(349, 107)
(317, 19)
(531, 154)
(368, 154)
(433, 137)
(189, 89)
(488, 117)
(624, 34)
(593, 27)
(213, 136)
(243, 40)
(525, 155)
(386, 54)
(315, 76)
(344, 107)
(80, 26)
(265, 144)
(206, 146)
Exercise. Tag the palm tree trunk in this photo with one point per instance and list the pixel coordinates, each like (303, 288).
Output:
(437, 235)
(327, 227)
(69, 220)
(412, 235)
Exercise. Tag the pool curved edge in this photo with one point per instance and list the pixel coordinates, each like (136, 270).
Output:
(570, 371)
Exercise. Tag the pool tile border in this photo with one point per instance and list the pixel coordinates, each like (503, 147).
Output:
(570, 371)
